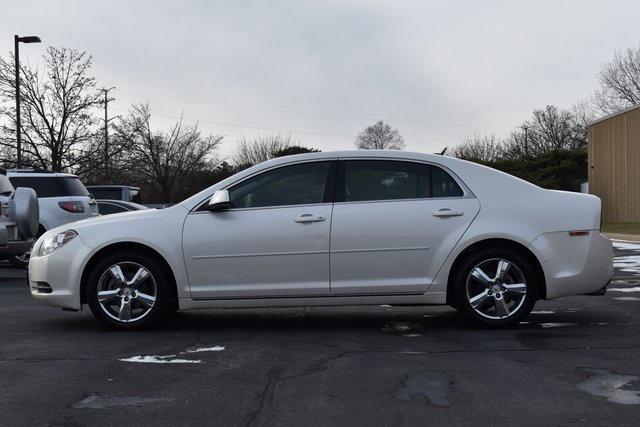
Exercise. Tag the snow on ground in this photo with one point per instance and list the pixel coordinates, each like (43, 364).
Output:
(627, 263)
(172, 358)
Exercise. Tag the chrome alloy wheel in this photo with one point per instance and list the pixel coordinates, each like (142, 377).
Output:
(500, 296)
(127, 291)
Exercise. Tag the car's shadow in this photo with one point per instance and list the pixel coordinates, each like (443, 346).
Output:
(400, 321)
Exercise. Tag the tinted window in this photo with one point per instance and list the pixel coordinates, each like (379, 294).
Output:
(392, 180)
(443, 185)
(290, 185)
(106, 193)
(384, 180)
(51, 186)
(109, 208)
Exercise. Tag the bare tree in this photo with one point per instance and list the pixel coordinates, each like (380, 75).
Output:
(379, 136)
(619, 82)
(549, 129)
(478, 148)
(164, 159)
(58, 123)
(258, 149)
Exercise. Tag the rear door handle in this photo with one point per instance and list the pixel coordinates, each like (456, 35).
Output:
(306, 218)
(446, 212)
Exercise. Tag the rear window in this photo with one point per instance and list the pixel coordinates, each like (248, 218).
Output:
(51, 186)
(106, 193)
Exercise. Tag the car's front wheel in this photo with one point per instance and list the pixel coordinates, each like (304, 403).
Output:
(128, 290)
(496, 288)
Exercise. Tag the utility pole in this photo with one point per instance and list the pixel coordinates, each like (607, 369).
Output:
(16, 43)
(525, 128)
(106, 128)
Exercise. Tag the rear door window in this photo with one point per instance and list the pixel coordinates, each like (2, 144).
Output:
(370, 180)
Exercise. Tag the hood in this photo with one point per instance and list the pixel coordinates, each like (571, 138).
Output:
(115, 220)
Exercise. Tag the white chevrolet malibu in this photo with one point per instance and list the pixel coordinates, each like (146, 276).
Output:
(334, 228)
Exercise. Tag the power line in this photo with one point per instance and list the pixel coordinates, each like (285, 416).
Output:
(301, 132)
(306, 113)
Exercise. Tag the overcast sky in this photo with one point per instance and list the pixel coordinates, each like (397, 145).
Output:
(323, 70)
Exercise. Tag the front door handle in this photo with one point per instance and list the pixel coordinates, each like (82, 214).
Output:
(306, 218)
(446, 212)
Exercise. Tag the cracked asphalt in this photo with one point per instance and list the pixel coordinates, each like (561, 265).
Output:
(575, 361)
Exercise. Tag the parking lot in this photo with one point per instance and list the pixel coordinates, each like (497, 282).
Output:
(576, 361)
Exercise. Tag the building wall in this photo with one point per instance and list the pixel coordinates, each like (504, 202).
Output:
(614, 166)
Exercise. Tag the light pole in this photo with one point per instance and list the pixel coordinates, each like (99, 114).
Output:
(17, 40)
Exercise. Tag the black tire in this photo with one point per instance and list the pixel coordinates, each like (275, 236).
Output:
(163, 289)
(22, 261)
(523, 306)
(19, 261)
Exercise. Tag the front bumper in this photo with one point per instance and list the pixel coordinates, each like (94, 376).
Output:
(54, 279)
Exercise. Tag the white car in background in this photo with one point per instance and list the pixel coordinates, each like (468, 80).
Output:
(62, 198)
(334, 228)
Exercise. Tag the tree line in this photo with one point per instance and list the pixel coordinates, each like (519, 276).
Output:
(550, 148)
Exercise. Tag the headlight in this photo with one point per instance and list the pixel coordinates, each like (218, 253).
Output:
(51, 243)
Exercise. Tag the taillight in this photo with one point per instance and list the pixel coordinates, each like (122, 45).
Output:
(577, 233)
(73, 206)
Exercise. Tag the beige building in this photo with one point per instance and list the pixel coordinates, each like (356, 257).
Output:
(614, 164)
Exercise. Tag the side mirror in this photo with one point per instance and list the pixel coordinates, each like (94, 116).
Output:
(219, 201)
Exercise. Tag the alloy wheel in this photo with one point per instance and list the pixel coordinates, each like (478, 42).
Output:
(496, 288)
(127, 291)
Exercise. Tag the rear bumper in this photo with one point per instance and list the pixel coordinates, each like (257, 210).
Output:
(574, 265)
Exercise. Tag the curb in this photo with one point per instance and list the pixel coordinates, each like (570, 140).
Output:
(628, 237)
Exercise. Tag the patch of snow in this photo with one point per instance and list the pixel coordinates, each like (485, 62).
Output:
(557, 325)
(385, 306)
(626, 245)
(202, 349)
(157, 359)
(628, 264)
(625, 290)
(543, 312)
(627, 299)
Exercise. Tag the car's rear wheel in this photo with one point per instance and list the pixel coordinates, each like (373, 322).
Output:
(496, 288)
(128, 291)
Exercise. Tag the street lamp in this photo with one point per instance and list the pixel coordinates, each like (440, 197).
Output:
(17, 40)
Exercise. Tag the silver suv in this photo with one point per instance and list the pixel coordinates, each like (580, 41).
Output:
(62, 196)
(18, 219)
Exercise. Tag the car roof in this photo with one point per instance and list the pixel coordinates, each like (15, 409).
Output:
(37, 173)
(112, 186)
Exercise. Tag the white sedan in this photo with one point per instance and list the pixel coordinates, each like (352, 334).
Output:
(334, 228)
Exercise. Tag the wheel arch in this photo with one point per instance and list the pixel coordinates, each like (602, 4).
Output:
(496, 243)
(124, 246)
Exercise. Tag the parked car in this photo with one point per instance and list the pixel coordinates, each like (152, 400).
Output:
(108, 207)
(115, 192)
(18, 219)
(62, 198)
(334, 228)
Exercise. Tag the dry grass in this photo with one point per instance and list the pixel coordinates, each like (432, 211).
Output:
(622, 228)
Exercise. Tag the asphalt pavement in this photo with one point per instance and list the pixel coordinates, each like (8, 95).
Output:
(575, 360)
